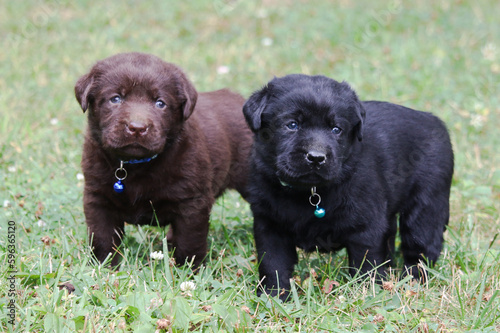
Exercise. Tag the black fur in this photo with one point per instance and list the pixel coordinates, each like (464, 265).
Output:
(388, 160)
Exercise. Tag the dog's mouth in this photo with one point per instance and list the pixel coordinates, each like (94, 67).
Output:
(302, 180)
(302, 170)
(134, 151)
(305, 175)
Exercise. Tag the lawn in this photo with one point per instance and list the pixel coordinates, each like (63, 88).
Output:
(439, 56)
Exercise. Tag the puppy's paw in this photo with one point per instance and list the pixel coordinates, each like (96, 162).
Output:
(282, 293)
(417, 272)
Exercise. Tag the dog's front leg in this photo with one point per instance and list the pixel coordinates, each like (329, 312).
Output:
(277, 256)
(190, 231)
(105, 231)
(363, 258)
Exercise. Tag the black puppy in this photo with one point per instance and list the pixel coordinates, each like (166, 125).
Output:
(329, 172)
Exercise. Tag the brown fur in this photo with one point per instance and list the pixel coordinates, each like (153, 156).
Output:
(202, 142)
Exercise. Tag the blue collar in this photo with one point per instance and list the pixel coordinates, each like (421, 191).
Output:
(121, 173)
(142, 160)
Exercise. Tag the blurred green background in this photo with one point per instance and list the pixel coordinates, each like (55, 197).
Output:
(439, 56)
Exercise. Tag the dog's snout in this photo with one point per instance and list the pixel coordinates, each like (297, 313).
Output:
(316, 157)
(137, 128)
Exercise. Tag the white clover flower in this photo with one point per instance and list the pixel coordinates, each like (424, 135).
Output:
(157, 255)
(489, 51)
(11, 168)
(223, 70)
(54, 121)
(187, 287)
(266, 41)
(79, 176)
(41, 223)
(477, 121)
(262, 13)
(6, 203)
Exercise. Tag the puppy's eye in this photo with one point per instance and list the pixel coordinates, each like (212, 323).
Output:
(160, 104)
(336, 130)
(116, 99)
(293, 125)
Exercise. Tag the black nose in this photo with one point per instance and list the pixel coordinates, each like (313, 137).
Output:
(137, 128)
(316, 158)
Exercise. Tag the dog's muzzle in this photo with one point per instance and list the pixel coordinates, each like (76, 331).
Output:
(316, 158)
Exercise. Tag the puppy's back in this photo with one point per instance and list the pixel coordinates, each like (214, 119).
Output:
(220, 118)
(417, 143)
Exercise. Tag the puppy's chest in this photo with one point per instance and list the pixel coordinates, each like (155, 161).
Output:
(150, 213)
(328, 233)
(147, 207)
(324, 235)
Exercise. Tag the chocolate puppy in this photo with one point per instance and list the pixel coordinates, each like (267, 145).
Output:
(157, 152)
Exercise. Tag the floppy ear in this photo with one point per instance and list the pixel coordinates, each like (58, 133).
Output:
(358, 128)
(82, 90)
(254, 107)
(189, 94)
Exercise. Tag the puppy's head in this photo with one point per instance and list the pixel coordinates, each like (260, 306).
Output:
(306, 128)
(136, 102)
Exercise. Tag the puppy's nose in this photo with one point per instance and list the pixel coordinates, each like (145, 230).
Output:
(316, 157)
(137, 128)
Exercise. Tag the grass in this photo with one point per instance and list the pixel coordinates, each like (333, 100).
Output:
(438, 56)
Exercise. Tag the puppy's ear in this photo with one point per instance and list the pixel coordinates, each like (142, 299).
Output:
(254, 107)
(188, 94)
(82, 90)
(358, 128)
